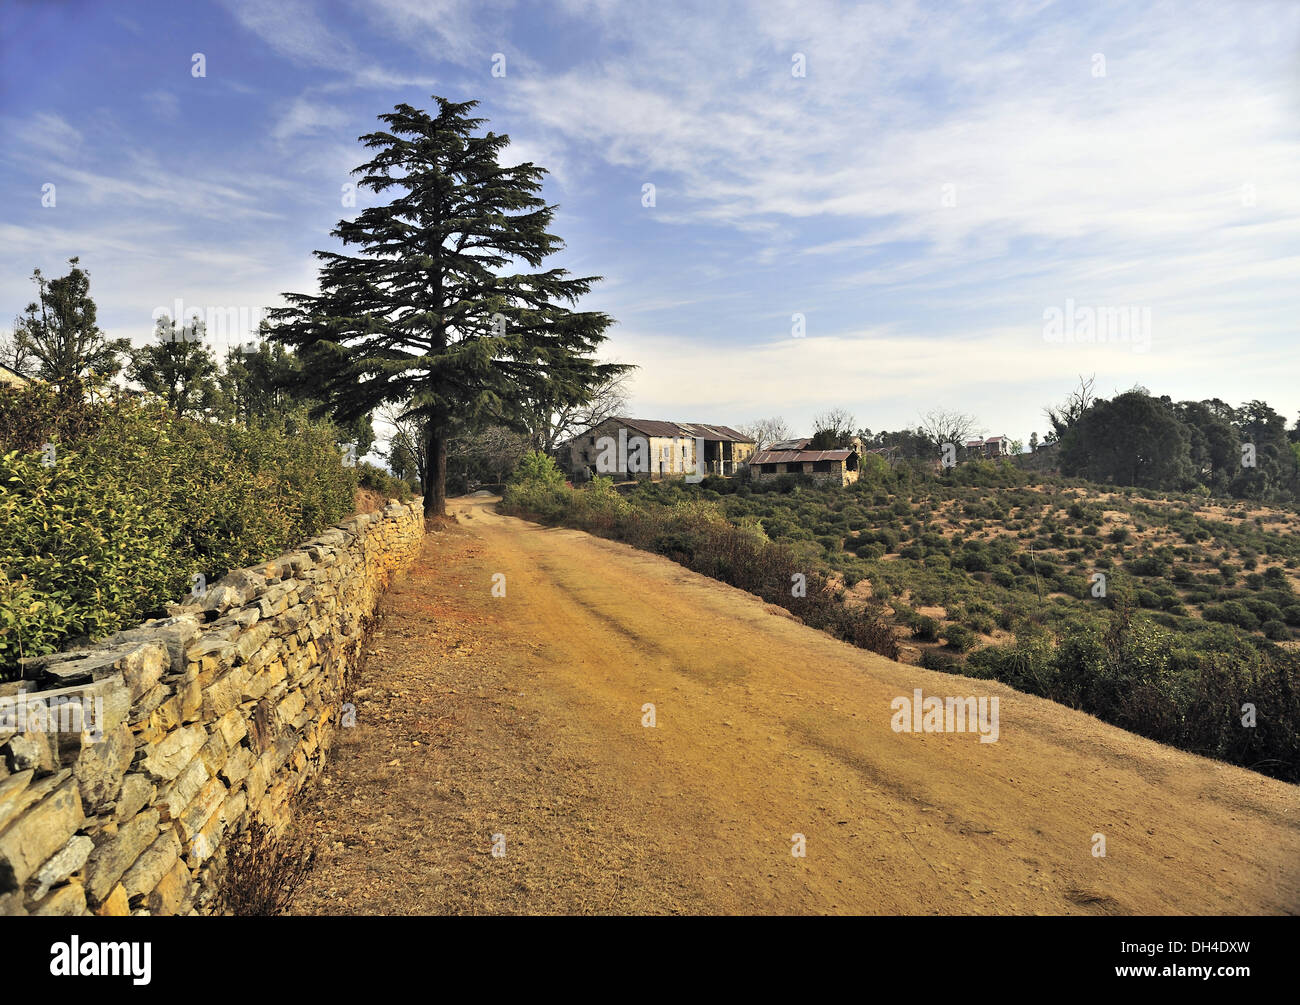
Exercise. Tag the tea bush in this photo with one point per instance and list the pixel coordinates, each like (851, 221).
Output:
(131, 502)
(1016, 556)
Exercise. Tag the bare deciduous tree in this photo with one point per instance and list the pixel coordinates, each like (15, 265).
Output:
(487, 454)
(765, 432)
(940, 426)
(1071, 410)
(552, 422)
(14, 352)
(838, 421)
(832, 429)
(405, 454)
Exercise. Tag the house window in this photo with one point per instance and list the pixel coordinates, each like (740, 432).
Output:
(821, 465)
(768, 469)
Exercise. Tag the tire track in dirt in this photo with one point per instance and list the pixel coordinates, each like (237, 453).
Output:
(527, 713)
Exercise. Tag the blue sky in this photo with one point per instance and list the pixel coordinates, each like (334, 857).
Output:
(940, 180)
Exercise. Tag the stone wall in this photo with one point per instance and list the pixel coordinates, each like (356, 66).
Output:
(836, 476)
(124, 766)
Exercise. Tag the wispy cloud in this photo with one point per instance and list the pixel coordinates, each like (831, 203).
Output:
(305, 117)
(938, 177)
(294, 30)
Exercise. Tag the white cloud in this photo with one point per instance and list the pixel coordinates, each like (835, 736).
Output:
(1168, 183)
(293, 29)
(457, 30)
(165, 104)
(305, 117)
(42, 134)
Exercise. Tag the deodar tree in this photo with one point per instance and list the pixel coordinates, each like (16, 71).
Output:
(428, 312)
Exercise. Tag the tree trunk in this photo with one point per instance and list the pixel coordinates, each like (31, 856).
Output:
(435, 484)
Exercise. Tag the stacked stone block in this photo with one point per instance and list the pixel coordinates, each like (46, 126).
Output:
(223, 710)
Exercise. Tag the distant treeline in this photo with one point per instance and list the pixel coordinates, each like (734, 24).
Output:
(1208, 447)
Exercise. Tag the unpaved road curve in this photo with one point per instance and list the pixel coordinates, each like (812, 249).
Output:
(521, 716)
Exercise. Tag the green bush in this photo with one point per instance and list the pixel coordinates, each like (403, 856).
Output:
(1150, 599)
(959, 637)
(1147, 565)
(869, 550)
(1277, 631)
(1275, 577)
(937, 659)
(136, 503)
(540, 467)
(1231, 613)
(1262, 609)
(926, 628)
(378, 480)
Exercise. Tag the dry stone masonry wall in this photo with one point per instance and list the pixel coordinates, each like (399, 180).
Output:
(124, 767)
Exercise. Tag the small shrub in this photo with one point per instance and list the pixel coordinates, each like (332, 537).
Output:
(264, 871)
(926, 629)
(959, 637)
(1277, 631)
(937, 659)
(378, 480)
(1231, 613)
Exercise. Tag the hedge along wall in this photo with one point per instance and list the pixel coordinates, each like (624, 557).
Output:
(181, 730)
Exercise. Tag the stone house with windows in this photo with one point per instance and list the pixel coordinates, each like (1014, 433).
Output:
(624, 448)
(994, 446)
(792, 457)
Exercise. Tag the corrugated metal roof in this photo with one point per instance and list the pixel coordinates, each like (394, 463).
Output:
(798, 456)
(798, 444)
(659, 427)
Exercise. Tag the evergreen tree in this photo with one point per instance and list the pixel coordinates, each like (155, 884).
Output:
(1133, 439)
(1274, 469)
(58, 331)
(428, 312)
(179, 368)
(1214, 442)
(265, 382)
(257, 380)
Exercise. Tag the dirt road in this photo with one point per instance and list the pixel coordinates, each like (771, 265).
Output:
(519, 720)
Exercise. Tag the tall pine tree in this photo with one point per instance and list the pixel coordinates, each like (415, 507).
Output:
(178, 367)
(428, 314)
(60, 333)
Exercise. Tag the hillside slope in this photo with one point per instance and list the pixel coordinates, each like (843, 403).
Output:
(522, 716)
